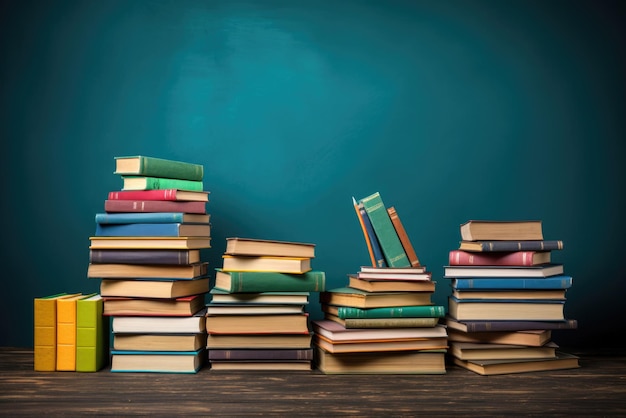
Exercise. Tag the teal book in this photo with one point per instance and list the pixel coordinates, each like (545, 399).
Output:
(151, 218)
(157, 361)
(512, 283)
(417, 311)
(157, 183)
(390, 243)
(92, 332)
(265, 281)
(140, 165)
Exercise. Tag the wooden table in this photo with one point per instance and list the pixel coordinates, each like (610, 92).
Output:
(598, 388)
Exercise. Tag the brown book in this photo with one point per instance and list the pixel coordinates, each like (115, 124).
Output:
(185, 306)
(258, 324)
(383, 322)
(404, 237)
(508, 366)
(289, 365)
(154, 206)
(347, 296)
(488, 351)
(532, 338)
(166, 289)
(391, 285)
(484, 230)
(159, 342)
(180, 243)
(264, 247)
(401, 362)
(147, 271)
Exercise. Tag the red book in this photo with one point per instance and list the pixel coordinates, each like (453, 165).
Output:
(164, 194)
(515, 258)
(154, 206)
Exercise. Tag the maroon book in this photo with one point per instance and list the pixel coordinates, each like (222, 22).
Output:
(160, 194)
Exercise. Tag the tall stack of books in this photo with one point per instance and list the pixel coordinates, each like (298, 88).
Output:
(507, 297)
(383, 320)
(147, 251)
(257, 319)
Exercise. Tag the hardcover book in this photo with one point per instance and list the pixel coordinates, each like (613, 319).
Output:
(512, 283)
(159, 342)
(471, 326)
(157, 361)
(490, 351)
(159, 324)
(262, 324)
(511, 245)
(45, 332)
(347, 296)
(552, 294)
(154, 206)
(530, 338)
(385, 231)
(517, 258)
(160, 194)
(274, 365)
(373, 246)
(152, 218)
(66, 332)
(412, 322)
(336, 332)
(259, 341)
(153, 230)
(543, 270)
(508, 366)
(416, 311)
(159, 289)
(160, 183)
(161, 257)
(147, 243)
(293, 265)
(262, 247)
(269, 281)
(401, 362)
(260, 354)
(513, 309)
(251, 309)
(142, 165)
(389, 346)
(281, 298)
(404, 237)
(147, 271)
(92, 335)
(390, 273)
(487, 230)
(185, 306)
(369, 285)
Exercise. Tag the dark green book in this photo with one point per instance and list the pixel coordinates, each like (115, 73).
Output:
(385, 231)
(269, 281)
(139, 165)
(416, 311)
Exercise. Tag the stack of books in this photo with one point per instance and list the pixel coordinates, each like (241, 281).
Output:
(383, 320)
(508, 295)
(257, 319)
(70, 333)
(147, 252)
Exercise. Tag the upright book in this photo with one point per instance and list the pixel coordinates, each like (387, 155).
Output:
(373, 247)
(66, 332)
(269, 281)
(481, 230)
(238, 246)
(390, 243)
(404, 237)
(45, 332)
(92, 332)
(141, 165)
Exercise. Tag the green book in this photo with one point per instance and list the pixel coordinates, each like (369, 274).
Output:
(417, 311)
(158, 183)
(91, 335)
(140, 165)
(268, 281)
(385, 231)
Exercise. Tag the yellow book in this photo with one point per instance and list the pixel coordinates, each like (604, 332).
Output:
(66, 332)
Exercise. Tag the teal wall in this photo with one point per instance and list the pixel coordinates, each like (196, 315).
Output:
(452, 110)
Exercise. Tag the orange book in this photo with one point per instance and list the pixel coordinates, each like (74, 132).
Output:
(45, 332)
(404, 237)
(66, 332)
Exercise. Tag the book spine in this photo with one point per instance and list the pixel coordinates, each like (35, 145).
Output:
(91, 336)
(529, 245)
(253, 282)
(137, 230)
(366, 236)
(151, 206)
(390, 322)
(66, 335)
(167, 194)
(379, 257)
(554, 282)
(177, 257)
(158, 167)
(518, 325)
(465, 258)
(385, 231)
(157, 183)
(128, 218)
(404, 237)
(428, 311)
(45, 334)
(260, 354)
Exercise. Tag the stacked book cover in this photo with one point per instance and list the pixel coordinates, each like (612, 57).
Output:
(257, 318)
(383, 320)
(508, 295)
(147, 252)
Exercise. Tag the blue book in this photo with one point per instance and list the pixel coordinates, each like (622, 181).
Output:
(378, 252)
(151, 218)
(153, 230)
(495, 283)
(156, 361)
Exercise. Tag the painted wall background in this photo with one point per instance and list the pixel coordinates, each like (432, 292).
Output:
(452, 110)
